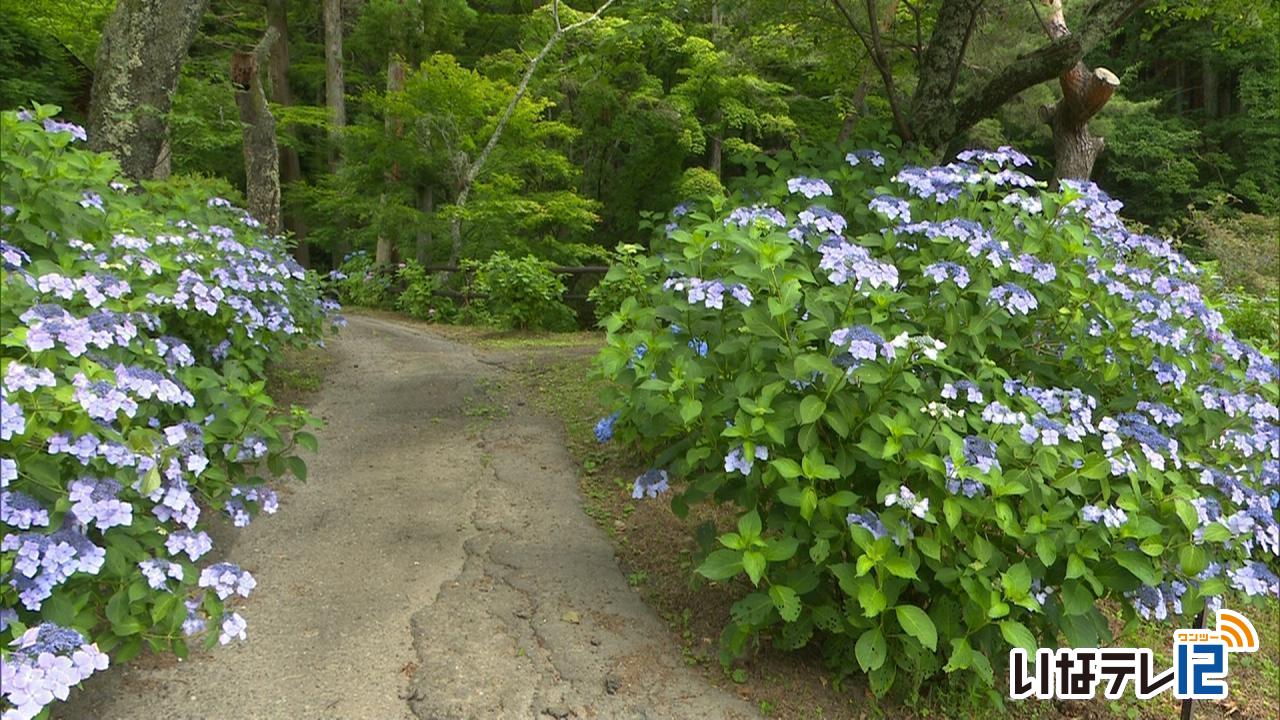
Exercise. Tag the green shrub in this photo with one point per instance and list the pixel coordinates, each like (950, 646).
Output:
(520, 293)
(623, 280)
(360, 282)
(953, 419)
(417, 289)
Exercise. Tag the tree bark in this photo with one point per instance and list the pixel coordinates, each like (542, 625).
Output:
(335, 95)
(290, 165)
(1084, 92)
(139, 59)
(261, 157)
(395, 83)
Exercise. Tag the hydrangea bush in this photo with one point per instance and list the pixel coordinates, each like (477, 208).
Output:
(133, 336)
(955, 410)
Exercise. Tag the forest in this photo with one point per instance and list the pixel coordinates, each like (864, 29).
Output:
(854, 355)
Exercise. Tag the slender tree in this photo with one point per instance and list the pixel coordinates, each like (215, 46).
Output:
(141, 53)
(473, 169)
(278, 72)
(395, 83)
(335, 93)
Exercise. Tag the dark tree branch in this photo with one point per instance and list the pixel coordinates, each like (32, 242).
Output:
(1046, 63)
(876, 51)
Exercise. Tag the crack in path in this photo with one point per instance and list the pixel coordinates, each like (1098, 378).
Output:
(430, 570)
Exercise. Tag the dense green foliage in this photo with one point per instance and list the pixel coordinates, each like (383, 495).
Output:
(954, 414)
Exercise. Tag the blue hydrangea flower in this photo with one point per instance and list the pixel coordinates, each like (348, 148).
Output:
(604, 427)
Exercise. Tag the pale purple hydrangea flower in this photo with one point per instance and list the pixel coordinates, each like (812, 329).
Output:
(862, 343)
(194, 544)
(233, 628)
(651, 483)
(739, 461)
(891, 207)
(58, 126)
(1014, 299)
(96, 502)
(857, 157)
(908, 501)
(158, 571)
(227, 579)
(1112, 517)
(939, 272)
(22, 511)
(808, 187)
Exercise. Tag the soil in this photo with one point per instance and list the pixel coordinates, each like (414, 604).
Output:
(437, 565)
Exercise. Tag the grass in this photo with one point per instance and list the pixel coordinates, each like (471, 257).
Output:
(296, 374)
(656, 550)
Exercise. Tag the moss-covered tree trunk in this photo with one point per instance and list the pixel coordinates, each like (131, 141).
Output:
(335, 94)
(290, 165)
(141, 53)
(261, 157)
(395, 83)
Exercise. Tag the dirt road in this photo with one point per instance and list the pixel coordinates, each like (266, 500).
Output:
(437, 565)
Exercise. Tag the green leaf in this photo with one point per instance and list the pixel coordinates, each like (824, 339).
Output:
(918, 625)
(690, 409)
(1075, 566)
(306, 440)
(786, 601)
(754, 563)
(901, 567)
(1017, 635)
(749, 526)
(871, 599)
(808, 503)
(871, 650)
(721, 565)
(780, 549)
(811, 409)
(1193, 560)
(1016, 581)
(1138, 565)
(786, 467)
(150, 481)
(298, 467)
(961, 655)
(1076, 598)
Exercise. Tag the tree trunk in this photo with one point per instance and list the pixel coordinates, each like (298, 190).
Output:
(395, 83)
(1210, 75)
(335, 93)
(290, 166)
(426, 206)
(1084, 92)
(261, 158)
(141, 53)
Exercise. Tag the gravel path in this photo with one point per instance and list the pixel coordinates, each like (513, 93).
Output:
(437, 565)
